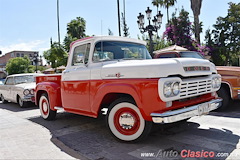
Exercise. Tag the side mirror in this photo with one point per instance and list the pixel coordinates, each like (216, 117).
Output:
(0, 52)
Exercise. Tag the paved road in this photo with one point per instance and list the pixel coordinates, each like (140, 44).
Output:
(25, 135)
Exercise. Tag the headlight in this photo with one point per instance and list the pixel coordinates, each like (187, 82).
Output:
(216, 82)
(167, 89)
(32, 91)
(171, 89)
(26, 92)
(176, 88)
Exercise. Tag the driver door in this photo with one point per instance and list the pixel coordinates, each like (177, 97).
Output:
(75, 81)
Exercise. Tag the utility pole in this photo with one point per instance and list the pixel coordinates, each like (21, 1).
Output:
(119, 27)
(58, 22)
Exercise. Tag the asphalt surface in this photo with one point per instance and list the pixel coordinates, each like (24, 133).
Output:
(25, 135)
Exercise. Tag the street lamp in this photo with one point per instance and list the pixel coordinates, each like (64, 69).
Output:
(35, 60)
(157, 21)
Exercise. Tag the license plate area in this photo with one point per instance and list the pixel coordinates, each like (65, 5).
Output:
(203, 109)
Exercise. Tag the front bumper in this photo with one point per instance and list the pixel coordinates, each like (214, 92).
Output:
(184, 113)
(29, 98)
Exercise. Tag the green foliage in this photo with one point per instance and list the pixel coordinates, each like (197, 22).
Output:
(18, 65)
(75, 30)
(56, 55)
(158, 42)
(179, 30)
(224, 39)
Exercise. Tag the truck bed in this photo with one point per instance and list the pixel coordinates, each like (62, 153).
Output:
(56, 78)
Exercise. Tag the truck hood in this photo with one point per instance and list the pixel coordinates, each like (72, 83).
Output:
(156, 68)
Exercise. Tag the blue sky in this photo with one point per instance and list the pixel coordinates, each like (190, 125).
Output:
(29, 24)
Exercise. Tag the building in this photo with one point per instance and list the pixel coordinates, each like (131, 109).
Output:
(5, 58)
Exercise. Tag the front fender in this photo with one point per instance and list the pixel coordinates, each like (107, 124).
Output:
(121, 88)
(54, 93)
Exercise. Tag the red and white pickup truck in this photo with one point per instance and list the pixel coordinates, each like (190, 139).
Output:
(117, 76)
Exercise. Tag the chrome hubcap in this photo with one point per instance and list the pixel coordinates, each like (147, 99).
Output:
(45, 108)
(126, 121)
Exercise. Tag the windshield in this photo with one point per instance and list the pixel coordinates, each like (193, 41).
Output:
(24, 79)
(191, 55)
(111, 50)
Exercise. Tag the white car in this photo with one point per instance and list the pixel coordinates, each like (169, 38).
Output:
(19, 88)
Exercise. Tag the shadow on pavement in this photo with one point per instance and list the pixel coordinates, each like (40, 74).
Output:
(233, 111)
(14, 107)
(89, 138)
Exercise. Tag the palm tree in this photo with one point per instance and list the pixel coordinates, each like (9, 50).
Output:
(196, 7)
(76, 28)
(164, 3)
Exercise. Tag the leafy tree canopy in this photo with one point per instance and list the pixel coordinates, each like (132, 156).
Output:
(224, 39)
(75, 30)
(56, 55)
(18, 65)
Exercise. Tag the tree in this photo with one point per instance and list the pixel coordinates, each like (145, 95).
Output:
(18, 65)
(164, 3)
(179, 30)
(56, 55)
(224, 39)
(75, 30)
(159, 43)
(196, 8)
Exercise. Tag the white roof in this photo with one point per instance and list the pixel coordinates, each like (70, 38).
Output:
(170, 48)
(108, 38)
(24, 74)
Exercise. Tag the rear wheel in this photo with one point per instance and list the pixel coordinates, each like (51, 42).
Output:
(45, 109)
(125, 121)
(3, 99)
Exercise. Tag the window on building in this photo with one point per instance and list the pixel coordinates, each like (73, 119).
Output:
(30, 55)
(22, 55)
(18, 54)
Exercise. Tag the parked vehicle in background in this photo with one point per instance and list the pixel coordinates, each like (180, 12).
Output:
(230, 86)
(2, 81)
(19, 88)
(116, 76)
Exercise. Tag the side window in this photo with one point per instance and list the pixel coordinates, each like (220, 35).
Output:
(9, 81)
(80, 55)
(102, 52)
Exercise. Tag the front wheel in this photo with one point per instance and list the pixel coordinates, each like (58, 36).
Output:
(225, 95)
(45, 109)
(22, 103)
(125, 121)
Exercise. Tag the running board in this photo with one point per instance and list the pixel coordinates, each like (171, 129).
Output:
(59, 108)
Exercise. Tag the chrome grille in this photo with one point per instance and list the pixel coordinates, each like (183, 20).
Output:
(193, 88)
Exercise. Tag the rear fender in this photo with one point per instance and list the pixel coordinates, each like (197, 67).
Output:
(54, 93)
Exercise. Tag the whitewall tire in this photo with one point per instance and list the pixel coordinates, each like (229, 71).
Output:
(125, 121)
(44, 107)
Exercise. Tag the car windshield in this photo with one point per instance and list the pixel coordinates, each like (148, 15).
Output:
(113, 50)
(24, 79)
(191, 55)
